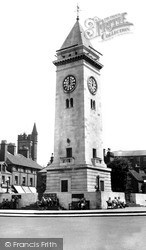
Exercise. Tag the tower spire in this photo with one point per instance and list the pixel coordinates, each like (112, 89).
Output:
(34, 140)
(34, 131)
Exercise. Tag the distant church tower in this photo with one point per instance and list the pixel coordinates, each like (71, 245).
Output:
(34, 136)
(78, 165)
(27, 144)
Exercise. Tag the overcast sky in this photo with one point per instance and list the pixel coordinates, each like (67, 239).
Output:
(30, 33)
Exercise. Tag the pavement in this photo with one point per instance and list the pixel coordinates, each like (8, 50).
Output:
(128, 211)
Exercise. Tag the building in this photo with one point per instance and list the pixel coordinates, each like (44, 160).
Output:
(27, 144)
(42, 177)
(78, 166)
(137, 173)
(137, 181)
(17, 172)
(137, 158)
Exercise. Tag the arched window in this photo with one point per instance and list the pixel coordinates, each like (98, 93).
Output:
(67, 103)
(92, 104)
(94, 107)
(71, 102)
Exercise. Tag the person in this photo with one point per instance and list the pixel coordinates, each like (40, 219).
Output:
(49, 202)
(114, 203)
(57, 202)
(82, 203)
(121, 204)
(109, 202)
(16, 202)
(14, 199)
(44, 202)
(4, 203)
(12, 203)
(7, 203)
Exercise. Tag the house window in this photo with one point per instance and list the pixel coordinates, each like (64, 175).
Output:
(3, 179)
(68, 152)
(91, 103)
(102, 185)
(3, 168)
(9, 180)
(94, 153)
(16, 180)
(64, 185)
(138, 160)
(23, 181)
(31, 182)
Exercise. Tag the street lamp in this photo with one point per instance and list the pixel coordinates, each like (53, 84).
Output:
(7, 181)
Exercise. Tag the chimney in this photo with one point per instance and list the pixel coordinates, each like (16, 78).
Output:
(3, 150)
(12, 148)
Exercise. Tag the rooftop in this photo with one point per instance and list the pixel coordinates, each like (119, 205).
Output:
(130, 153)
(138, 176)
(21, 160)
(76, 37)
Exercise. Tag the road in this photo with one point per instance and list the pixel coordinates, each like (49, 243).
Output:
(78, 233)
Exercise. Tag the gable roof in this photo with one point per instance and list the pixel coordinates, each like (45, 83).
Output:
(44, 170)
(138, 176)
(21, 160)
(76, 37)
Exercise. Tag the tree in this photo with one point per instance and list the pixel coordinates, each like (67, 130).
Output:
(119, 174)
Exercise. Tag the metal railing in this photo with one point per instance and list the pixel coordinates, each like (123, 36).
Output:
(96, 160)
(67, 160)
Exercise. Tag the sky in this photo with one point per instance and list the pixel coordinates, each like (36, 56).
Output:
(30, 33)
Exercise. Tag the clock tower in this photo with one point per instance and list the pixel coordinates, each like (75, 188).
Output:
(78, 165)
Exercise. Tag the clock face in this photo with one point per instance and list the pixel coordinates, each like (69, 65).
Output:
(69, 84)
(92, 85)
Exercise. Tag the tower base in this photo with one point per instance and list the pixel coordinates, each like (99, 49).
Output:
(83, 180)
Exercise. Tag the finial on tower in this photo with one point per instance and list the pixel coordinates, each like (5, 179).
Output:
(78, 10)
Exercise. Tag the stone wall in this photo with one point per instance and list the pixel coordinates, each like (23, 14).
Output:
(104, 175)
(80, 178)
(93, 197)
(77, 179)
(26, 199)
(139, 199)
(64, 199)
(69, 122)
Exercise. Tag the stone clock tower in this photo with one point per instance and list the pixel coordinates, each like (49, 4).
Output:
(78, 165)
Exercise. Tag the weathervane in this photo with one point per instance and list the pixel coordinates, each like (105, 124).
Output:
(78, 10)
